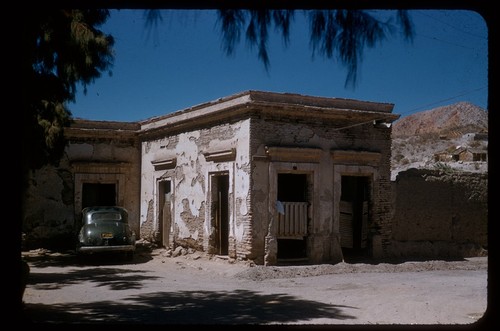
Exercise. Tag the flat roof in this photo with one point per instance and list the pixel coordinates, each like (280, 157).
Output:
(288, 104)
(241, 105)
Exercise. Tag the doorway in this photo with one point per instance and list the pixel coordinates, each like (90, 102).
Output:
(96, 194)
(220, 213)
(354, 216)
(165, 211)
(292, 206)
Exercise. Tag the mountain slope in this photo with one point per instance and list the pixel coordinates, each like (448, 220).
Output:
(463, 117)
(418, 137)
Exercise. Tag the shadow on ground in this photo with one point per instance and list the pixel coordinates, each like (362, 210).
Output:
(113, 278)
(188, 307)
(45, 259)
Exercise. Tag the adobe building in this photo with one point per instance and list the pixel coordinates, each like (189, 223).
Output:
(259, 176)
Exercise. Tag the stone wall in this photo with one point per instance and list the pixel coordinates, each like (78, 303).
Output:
(326, 138)
(97, 152)
(439, 214)
(48, 208)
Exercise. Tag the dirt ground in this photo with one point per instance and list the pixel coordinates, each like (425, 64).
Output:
(157, 289)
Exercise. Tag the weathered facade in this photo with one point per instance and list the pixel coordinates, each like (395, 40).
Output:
(101, 166)
(439, 214)
(261, 176)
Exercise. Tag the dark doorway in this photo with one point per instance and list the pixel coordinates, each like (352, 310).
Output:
(220, 208)
(291, 249)
(292, 198)
(165, 211)
(292, 187)
(354, 215)
(95, 194)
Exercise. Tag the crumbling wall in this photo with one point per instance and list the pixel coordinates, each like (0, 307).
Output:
(323, 238)
(52, 207)
(194, 156)
(48, 208)
(440, 214)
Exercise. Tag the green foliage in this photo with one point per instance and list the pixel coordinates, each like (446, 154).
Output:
(62, 49)
(335, 34)
(256, 24)
(340, 34)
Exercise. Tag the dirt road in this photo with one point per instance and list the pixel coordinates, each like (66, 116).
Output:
(198, 289)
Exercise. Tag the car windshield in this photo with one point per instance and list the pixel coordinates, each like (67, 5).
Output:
(107, 216)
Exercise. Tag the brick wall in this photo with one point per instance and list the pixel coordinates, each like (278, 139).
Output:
(327, 137)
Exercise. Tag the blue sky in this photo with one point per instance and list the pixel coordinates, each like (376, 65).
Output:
(181, 64)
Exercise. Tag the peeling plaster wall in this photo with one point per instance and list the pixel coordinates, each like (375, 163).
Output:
(259, 203)
(109, 161)
(52, 205)
(214, 139)
(323, 239)
(190, 176)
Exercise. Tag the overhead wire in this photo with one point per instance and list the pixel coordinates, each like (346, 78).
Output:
(443, 100)
(413, 110)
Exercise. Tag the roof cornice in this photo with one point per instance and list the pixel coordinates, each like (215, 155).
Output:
(269, 104)
(238, 106)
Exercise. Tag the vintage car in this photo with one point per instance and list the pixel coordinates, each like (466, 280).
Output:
(105, 229)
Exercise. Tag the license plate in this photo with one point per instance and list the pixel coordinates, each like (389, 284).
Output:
(106, 235)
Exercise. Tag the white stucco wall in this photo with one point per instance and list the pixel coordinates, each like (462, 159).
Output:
(189, 172)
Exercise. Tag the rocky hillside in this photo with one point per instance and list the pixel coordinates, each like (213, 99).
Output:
(417, 138)
(458, 118)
